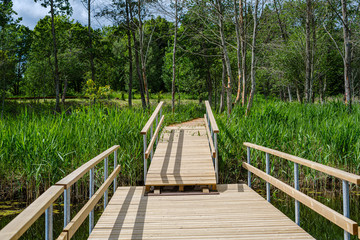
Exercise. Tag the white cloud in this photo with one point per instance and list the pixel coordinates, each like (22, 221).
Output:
(32, 12)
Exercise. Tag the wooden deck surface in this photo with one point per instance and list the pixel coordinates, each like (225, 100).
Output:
(182, 157)
(236, 213)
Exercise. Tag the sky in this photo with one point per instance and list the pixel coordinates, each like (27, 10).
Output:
(32, 12)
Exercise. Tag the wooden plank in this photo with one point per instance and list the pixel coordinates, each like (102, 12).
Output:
(63, 236)
(212, 148)
(83, 169)
(76, 222)
(16, 228)
(353, 178)
(211, 117)
(152, 142)
(151, 119)
(236, 213)
(333, 216)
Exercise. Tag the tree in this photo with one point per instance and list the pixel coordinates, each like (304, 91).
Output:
(174, 59)
(253, 83)
(56, 7)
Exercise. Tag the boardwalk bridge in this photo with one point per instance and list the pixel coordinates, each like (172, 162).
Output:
(181, 198)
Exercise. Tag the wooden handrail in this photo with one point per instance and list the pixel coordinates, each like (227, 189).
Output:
(80, 217)
(212, 148)
(16, 228)
(353, 178)
(151, 119)
(70, 179)
(211, 117)
(333, 216)
(152, 142)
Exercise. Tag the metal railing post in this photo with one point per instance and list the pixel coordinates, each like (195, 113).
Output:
(115, 164)
(91, 193)
(268, 172)
(248, 161)
(216, 158)
(157, 122)
(151, 135)
(49, 223)
(346, 204)
(66, 206)
(296, 185)
(145, 161)
(106, 164)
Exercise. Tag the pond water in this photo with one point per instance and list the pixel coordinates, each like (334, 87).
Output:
(313, 223)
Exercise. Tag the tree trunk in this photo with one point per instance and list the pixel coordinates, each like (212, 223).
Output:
(226, 57)
(243, 51)
(238, 51)
(298, 95)
(253, 83)
(142, 57)
(289, 91)
(137, 63)
(347, 53)
(313, 53)
(223, 86)
(308, 52)
(90, 43)
(130, 54)
(64, 91)
(56, 75)
(174, 62)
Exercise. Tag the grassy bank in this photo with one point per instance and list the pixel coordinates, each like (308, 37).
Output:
(327, 134)
(39, 147)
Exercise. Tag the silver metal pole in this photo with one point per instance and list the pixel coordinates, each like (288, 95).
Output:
(296, 184)
(115, 165)
(91, 193)
(49, 223)
(151, 135)
(106, 164)
(67, 206)
(157, 123)
(145, 162)
(268, 172)
(216, 159)
(248, 161)
(346, 205)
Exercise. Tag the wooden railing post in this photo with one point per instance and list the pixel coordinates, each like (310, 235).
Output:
(67, 206)
(248, 161)
(49, 223)
(297, 187)
(91, 193)
(106, 165)
(346, 205)
(268, 172)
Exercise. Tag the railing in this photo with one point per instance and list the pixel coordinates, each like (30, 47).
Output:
(17, 227)
(212, 131)
(148, 150)
(343, 221)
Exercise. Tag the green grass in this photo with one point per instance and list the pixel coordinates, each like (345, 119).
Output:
(38, 147)
(327, 134)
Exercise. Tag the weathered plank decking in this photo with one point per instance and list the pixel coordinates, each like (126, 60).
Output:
(236, 213)
(182, 157)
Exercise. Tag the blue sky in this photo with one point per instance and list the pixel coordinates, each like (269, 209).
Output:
(32, 12)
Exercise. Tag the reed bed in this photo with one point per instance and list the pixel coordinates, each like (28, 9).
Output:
(327, 134)
(38, 147)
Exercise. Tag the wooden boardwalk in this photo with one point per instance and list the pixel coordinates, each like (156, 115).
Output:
(237, 212)
(182, 157)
